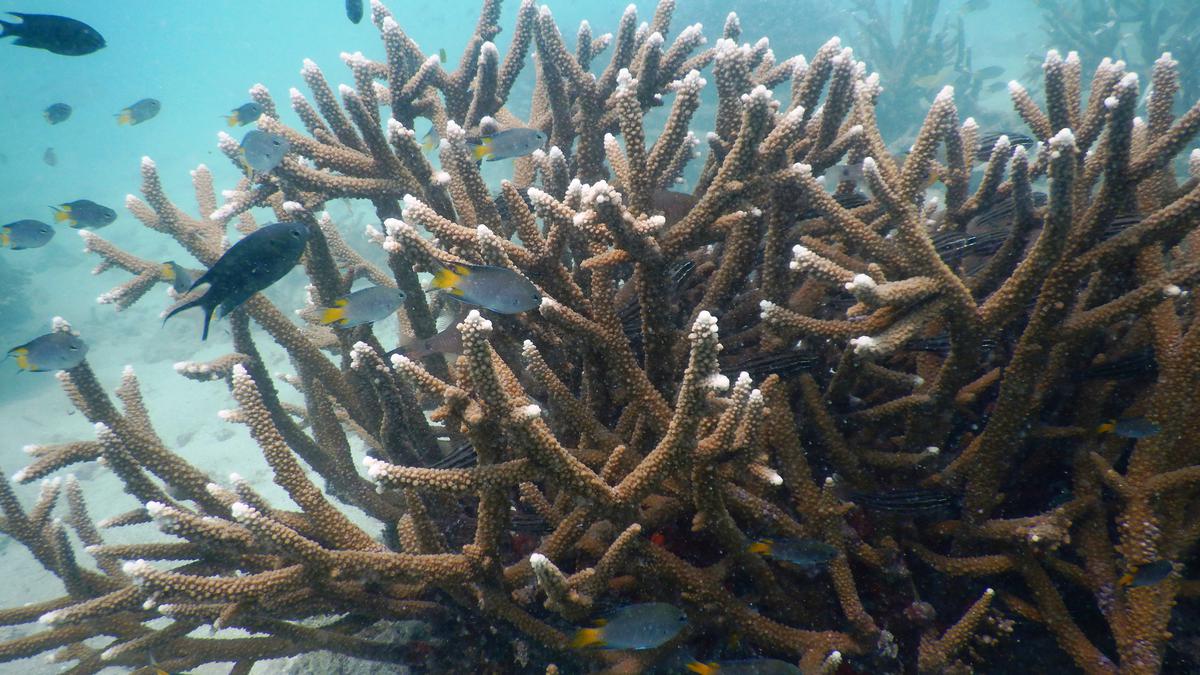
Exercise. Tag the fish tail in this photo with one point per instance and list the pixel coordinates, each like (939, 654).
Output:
(168, 272)
(1107, 428)
(5, 239)
(22, 356)
(703, 668)
(333, 315)
(428, 143)
(62, 213)
(198, 302)
(587, 637)
(125, 117)
(483, 150)
(760, 547)
(8, 28)
(1125, 579)
(445, 278)
(232, 120)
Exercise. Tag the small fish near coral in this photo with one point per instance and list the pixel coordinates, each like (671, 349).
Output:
(145, 109)
(642, 626)
(59, 350)
(83, 213)
(1129, 427)
(57, 113)
(744, 667)
(24, 234)
(181, 279)
(262, 152)
(1146, 575)
(56, 34)
(366, 305)
(244, 114)
(802, 552)
(255, 262)
(496, 288)
(446, 341)
(354, 10)
(506, 144)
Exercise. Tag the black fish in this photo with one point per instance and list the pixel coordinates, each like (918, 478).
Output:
(354, 10)
(462, 457)
(940, 344)
(784, 364)
(1003, 211)
(58, 112)
(1118, 225)
(987, 142)
(905, 501)
(1135, 364)
(952, 247)
(56, 34)
(255, 262)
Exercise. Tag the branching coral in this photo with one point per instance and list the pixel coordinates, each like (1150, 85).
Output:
(775, 361)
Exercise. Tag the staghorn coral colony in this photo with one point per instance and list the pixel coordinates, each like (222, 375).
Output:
(774, 360)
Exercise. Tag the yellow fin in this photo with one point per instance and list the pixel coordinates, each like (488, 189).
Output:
(4, 238)
(761, 547)
(587, 637)
(445, 278)
(168, 272)
(1107, 428)
(427, 143)
(22, 356)
(703, 668)
(62, 213)
(232, 120)
(1125, 579)
(334, 314)
(483, 150)
(125, 116)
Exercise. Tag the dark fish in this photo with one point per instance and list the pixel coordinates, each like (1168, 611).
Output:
(630, 314)
(987, 141)
(462, 457)
(673, 205)
(1129, 427)
(496, 288)
(905, 501)
(180, 278)
(49, 157)
(642, 626)
(244, 114)
(1135, 364)
(354, 10)
(1002, 212)
(1118, 225)
(445, 341)
(952, 247)
(83, 213)
(57, 34)
(785, 364)
(262, 152)
(745, 667)
(803, 552)
(139, 112)
(59, 350)
(1148, 574)
(24, 234)
(57, 112)
(506, 144)
(365, 305)
(940, 344)
(255, 262)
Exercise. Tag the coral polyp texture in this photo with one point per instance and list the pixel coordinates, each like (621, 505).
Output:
(787, 353)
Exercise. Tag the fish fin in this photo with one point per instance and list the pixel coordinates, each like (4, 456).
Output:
(168, 272)
(22, 356)
(198, 302)
(44, 113)
(587, 637)
(445, 278)
(703, 668)
(4, 237)
(427, 143)
(125, 117)
(63, 214)
(231, 120)
(483, 150)
(1125, 579)
(1107, 428)
(8, 28)
(761, 547)
(333, 315)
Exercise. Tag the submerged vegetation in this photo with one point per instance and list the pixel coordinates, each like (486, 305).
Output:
(836, 407)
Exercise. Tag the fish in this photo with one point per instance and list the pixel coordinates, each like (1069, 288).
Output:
(442, 54)
(1129, 427)
(59, 350)
(49, 157)
(430, 140)
(940, 344)
(1118, 225)
(1002, 212)
(641, 626)
(673, 205)
(365, 305)
(785, 364)
(905, 501)
(1140, 363)
(462, 457)
(22, 234)
(262, 152)
(988, 139)
(139, 112)
(989, 72)
(996, 86)
(446, 341)
(1147, 575)
(180, 278)
(745, 667)
(496, 288)
(83, 213)
(354, 10)
(252, 264)
(57, 113)
(952, 247)
(803, 552)
(56, 34)
(244, 114)
(506, 144)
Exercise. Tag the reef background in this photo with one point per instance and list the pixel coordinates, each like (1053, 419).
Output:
(228, 47)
